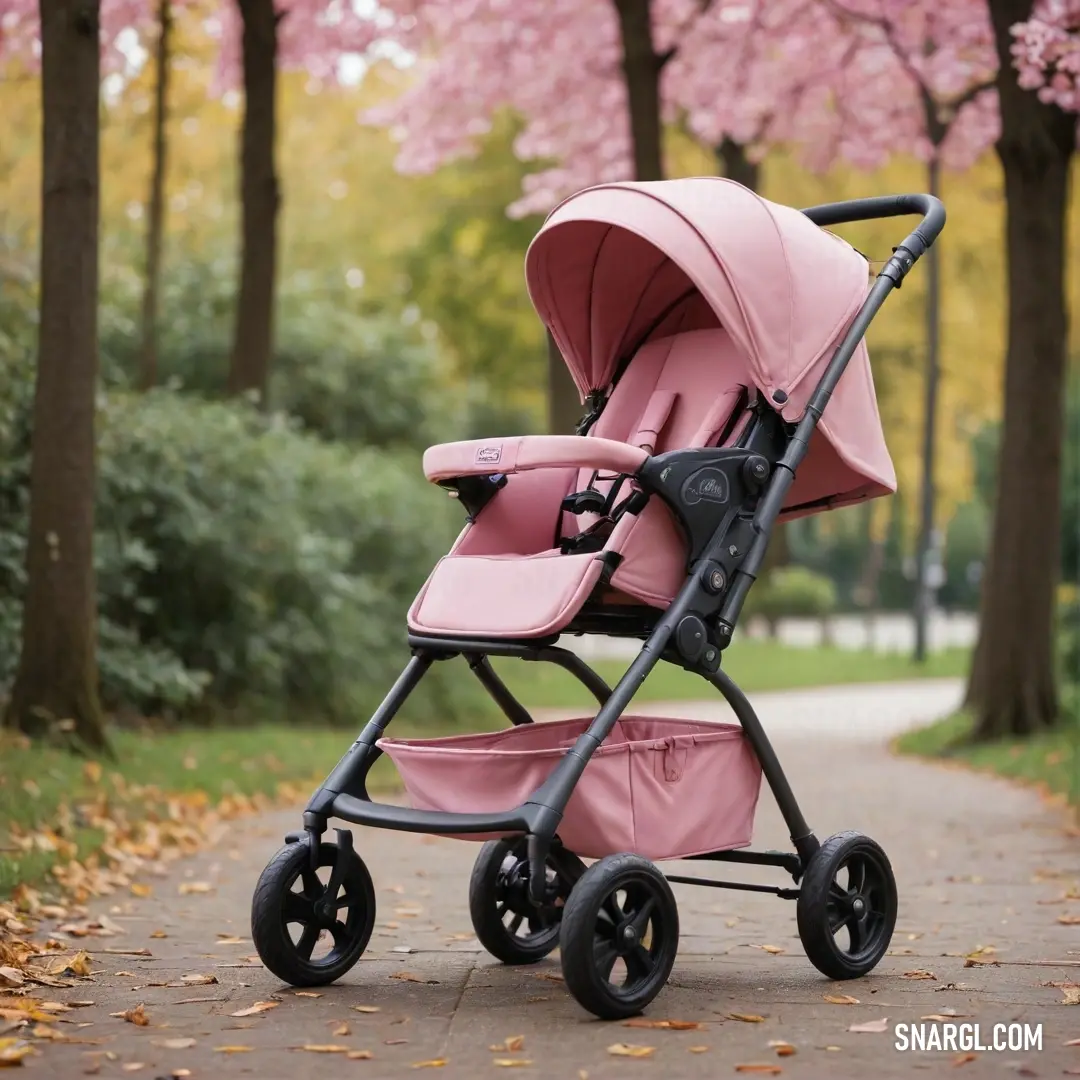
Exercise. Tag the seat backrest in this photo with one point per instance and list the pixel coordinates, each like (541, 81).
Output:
(677, 392)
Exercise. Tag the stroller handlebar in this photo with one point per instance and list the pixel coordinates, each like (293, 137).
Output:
(884, 206)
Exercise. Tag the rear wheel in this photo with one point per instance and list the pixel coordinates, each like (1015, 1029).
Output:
(847, 906)
(507, 923)
(620, 933)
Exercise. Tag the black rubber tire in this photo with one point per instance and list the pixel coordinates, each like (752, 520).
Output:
(498, 887)
(825, 907)
(270, 918)
(592, 936)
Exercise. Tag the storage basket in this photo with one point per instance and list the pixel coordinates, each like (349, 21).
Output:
(663, 788)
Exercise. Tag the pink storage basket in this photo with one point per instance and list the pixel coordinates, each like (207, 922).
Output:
(663, 788)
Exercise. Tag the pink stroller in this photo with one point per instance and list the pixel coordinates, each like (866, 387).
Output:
(707, 329)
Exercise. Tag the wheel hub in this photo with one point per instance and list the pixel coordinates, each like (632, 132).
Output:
(858, 906)
(626, 939)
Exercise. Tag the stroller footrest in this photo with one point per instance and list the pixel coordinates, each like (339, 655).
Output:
(406, 819)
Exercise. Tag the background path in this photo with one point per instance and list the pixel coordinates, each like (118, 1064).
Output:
(979, 863)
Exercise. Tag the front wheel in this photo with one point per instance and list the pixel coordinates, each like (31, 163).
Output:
(311, 924)
(507, 923)
(847, 906)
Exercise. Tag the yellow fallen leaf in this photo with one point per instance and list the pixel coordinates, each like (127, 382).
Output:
(747, 1018)
(513, 1044)
(921, 973)
(141, 890)
(229, 939)
(134, 1016)
(782, 1048)
(1069, 920)
(159, 934)
(434, 1063)
(1071, 995)
(841, 999)
(195, 888)
(179, 1074)
(359, 1055)
(306, 993)
(10, 976)
(774, 949)
(133, 1066)
(198, 980)
(358, 1008)
(322, 1048)
(754, 1067)
(342, 1030)
(631, 1050)
(698, 1049)
(258, 1007)
(12, 1051)
(92, 771)
(963, 1059)
(511, 1063)
(233, 1049)
(665, 1025)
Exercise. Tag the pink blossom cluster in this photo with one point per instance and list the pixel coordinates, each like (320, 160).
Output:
(1047, 52)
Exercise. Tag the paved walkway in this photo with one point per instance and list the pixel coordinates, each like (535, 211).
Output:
(980, 864)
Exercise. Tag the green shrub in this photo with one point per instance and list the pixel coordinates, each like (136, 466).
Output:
(792, 591)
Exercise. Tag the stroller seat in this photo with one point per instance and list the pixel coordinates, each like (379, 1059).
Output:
(525, 566)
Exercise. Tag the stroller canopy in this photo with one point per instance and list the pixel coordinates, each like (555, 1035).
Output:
(619, 264)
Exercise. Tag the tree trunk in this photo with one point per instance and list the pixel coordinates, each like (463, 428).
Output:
(564, 402)
(924, 593)
(735, 165)
(155, 211)
(641, 68)
(1012, 688)
(260, 198)
(56, 680)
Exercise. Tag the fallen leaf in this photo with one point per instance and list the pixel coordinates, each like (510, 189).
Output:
(631, 1050)
(394, 1042)
(512, 1044)
(179, 1074)
(159, 934)
(511, 1063)
(942, 1018)
(134, 1016)
(341, 1030)
(1071, 995)
(697, 1049)
(1071, 1042)
(10, 976)
(79, 964)
(258, 1007)
(841, 999)
(12, 1051)
(871, 1027)
(229, 939)
(408, 976)
(746, 1018)
(361, 1008)
(306, 993)
(142, 891)
(783, 1049)
(669, 1025)
(359, 1055)
(1069, 920)
(322, 1048)
(175, 1044)
(434, 1063)
(919, 974)
(975, 961)
(754, 1067)
(198, 980)
(963, 1059)
(194, 888)
(550, 976)
(233, 1049)
(774, 949)
(133, 1066)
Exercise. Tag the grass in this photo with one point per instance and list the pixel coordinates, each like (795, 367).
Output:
(1047, 761)
(755, 665)
(70, 803)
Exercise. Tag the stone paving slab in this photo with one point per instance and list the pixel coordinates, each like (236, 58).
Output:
(977, 860)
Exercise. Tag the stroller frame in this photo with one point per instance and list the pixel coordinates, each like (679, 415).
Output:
(727, 546)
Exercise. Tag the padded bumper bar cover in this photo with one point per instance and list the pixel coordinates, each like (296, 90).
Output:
(486, 456)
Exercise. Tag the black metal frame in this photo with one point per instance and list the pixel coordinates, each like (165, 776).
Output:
(727, 501)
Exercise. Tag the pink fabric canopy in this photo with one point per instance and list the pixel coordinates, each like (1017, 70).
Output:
(619, 264)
